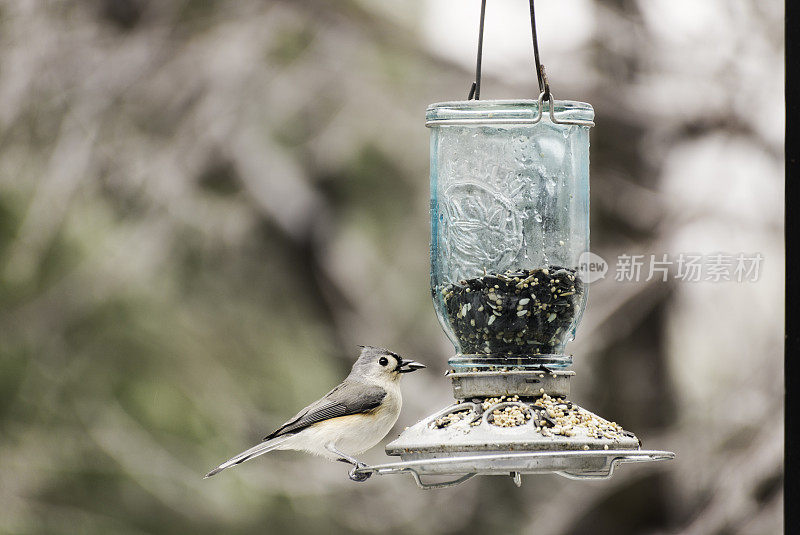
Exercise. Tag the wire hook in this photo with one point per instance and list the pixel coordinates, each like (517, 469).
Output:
(475, 91)
(541, 76)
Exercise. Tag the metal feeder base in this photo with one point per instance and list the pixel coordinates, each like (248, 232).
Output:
(464, 439)
(598, 464)
(554, 383)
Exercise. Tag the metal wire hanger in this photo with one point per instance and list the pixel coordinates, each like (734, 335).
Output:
(541, 75)
(544, 87)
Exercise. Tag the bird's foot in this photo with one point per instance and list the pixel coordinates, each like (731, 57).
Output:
(359, 476)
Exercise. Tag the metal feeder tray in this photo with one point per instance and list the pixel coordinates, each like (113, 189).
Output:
(472, 444)
(597, 464)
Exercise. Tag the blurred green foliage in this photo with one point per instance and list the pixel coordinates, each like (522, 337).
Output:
(205, 206)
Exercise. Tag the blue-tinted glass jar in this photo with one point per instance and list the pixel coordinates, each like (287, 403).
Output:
(509, 223)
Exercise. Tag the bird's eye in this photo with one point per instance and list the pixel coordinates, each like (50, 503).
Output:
(383, 361)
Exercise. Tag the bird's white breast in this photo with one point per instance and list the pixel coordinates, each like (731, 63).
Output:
(351, 434)
(366, 430)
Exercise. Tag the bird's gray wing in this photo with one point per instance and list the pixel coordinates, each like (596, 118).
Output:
(350, 397)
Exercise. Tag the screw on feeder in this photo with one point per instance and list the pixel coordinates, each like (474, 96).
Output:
(541, 76)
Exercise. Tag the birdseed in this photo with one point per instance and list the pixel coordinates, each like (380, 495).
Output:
(489, 402)
(449, 419)
(510, 416)
(551, 416)
(567, 419)
(517, 312)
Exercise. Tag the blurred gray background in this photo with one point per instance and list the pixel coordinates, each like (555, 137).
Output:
(205, 206)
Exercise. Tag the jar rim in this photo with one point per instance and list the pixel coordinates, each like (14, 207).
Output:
(475, 112)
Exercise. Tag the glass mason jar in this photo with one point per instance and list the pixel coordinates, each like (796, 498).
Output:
(509, 223)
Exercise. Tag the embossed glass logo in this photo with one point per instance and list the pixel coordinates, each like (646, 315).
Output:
(483, 229)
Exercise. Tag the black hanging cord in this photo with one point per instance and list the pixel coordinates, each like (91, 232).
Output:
(541, 76)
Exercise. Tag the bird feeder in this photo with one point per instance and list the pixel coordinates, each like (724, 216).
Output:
(509, 225)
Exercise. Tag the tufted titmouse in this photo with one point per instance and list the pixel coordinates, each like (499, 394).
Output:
(352, 417)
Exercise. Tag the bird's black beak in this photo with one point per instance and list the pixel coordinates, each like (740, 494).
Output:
(407, 366)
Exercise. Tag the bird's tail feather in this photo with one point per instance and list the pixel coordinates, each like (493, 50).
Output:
(252, 453)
